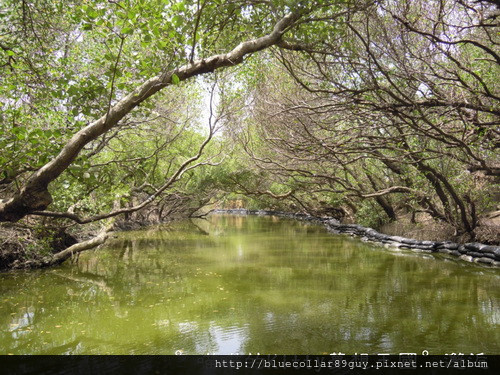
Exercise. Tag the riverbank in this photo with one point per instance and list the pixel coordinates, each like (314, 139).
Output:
(236, 283)
(473, 252)
(25, 249)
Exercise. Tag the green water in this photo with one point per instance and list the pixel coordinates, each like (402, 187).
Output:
(236, 284)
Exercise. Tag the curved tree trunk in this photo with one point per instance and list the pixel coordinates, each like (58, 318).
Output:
(34, 195)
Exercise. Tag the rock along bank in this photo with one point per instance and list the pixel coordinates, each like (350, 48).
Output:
(471, 252)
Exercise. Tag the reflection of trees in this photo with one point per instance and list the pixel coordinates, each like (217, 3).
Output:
(382, 312)
(100, 283)
(313, 293)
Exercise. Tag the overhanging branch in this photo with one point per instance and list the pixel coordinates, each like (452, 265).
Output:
(34, 196)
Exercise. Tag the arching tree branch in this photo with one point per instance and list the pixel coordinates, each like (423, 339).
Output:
(34, 195)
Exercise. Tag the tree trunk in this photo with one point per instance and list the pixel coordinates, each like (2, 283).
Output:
(34, 196)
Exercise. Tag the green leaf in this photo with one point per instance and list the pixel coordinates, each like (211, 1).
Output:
(127, 30)
(38, 132)
(175, 79)
(177, 20)
(18, 129)
(91, 12)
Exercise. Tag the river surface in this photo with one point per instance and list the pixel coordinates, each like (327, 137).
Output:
(236, 284)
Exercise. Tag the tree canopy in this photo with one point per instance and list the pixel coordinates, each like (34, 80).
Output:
(366, 110)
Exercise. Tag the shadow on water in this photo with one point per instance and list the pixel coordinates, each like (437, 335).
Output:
(249, 284)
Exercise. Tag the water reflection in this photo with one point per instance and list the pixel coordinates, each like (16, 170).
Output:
(249, 284)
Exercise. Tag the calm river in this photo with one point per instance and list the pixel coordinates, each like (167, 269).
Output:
(235, 284)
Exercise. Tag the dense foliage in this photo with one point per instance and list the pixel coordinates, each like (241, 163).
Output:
(141, 110)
